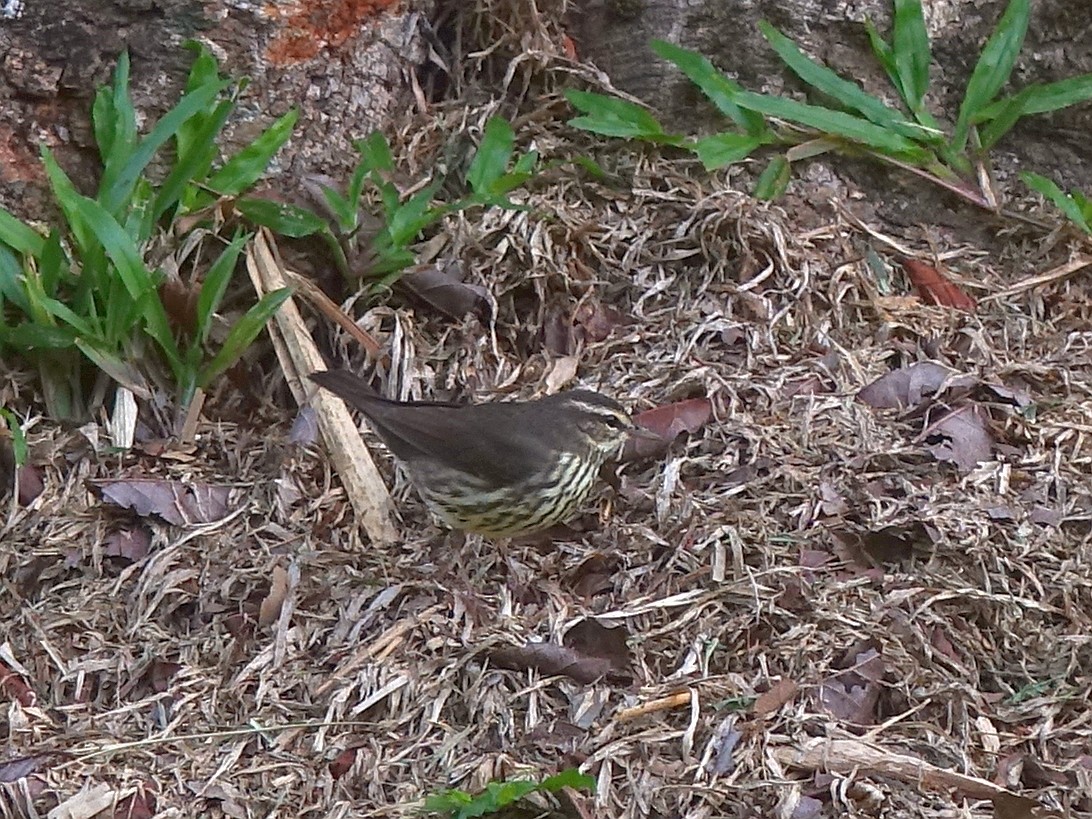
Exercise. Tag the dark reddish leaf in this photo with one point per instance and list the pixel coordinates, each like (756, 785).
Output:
(943, 645)
(666, 423)
(1011, 806)
(852, 694)
(180, 303)
(551, 658)
(591, 637)
(1044, 516)
(159, 674)
(596, 320)
(961, 437)
(343, 763)
(595, 575)
(176, 502)
(769, 701)
(140, 805)
(445, 290)
(936, 288)
(130, 543)
(270, 608)
(14, 686)
(590, 652)
(909, 386)
(31, 484)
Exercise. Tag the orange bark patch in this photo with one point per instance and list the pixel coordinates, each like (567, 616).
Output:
(311, 25)
(18, 163)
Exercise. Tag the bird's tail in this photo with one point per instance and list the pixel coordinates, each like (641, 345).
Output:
(349, 387)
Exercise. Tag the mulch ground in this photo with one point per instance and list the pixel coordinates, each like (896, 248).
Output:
(812, 605)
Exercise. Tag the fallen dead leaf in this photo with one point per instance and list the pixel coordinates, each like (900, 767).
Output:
(173, 501)
(1013, 806)
(852, 694)
(908, 386)
(20, 767)
(666, 422)
(444, 289)
(562, 372)
(961, 437)
(12, 684)
(270, 608)
(772, 699)
(936, 288)
(590, 652)
(128, 543)
(725, 740)
(343, 763)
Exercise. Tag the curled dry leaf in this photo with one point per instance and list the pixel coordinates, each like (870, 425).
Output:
(936, 288)
(961, 437)
(270, 609)
(852, 694)
(173, 501)
(444, 289)
(666, 423)
(590, 652)
(15, 687)
(772, 699)
(909, 386)
(343, 763)
(129, 543)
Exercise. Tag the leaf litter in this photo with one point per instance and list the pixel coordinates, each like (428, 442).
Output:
(372, 684)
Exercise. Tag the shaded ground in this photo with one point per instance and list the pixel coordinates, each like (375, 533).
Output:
(802, 545)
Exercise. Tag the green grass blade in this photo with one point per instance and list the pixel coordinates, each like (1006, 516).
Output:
(376, 152)
(118, 246)
(774, 179)
(847, 93)
(67, 197)
(993, 68)
(835, 123)
(113, 115)
(1061, 200)
(193, 158)
(242, 334)
(20, 237)
(247, 166)
(1046, 97)
(18, 437)
(493, 155)
(720, 150)
(30, 336)
(120, 174)
(615, 117)
(11, 282)
(885, 56)
(719, 89)
(991, 132)
(215, 285)
(287, 220)
(912, 52)
(413, 216)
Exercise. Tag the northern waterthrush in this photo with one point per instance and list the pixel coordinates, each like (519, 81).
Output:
(498, 469)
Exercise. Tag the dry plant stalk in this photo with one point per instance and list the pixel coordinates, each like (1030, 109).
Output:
(298, 356)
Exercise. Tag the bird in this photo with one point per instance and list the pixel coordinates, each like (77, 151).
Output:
(500, 469)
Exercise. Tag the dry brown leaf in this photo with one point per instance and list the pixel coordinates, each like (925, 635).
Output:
(961, 437)
(1013, 806)
(444, 289)
(590, 652)
(909, 386)
(343, 763)
(270, 608)
(936, 288)
(175, 502)
(667, 423)
(20, 767)
(772, 699)
(129, 543)
(15, 687)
